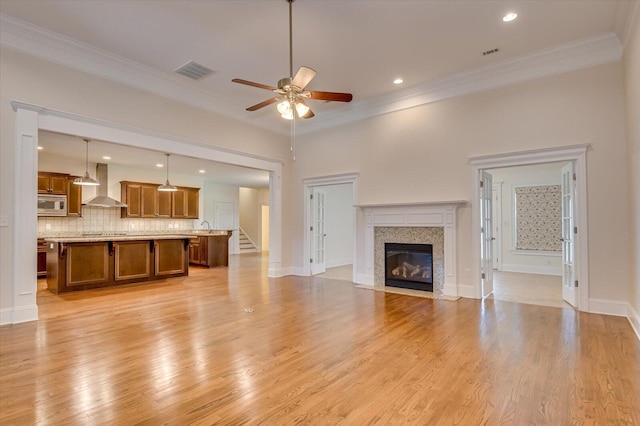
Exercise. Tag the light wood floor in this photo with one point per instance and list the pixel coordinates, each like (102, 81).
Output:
(312, 351)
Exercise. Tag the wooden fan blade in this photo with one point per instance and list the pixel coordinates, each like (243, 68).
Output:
(309, 114)
(263, 104)
(303, 77)
(330, 96)
(251, 83)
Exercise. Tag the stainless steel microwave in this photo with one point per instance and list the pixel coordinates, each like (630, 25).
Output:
(52, 205)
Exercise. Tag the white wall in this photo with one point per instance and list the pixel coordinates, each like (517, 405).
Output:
(511, 177)
(339, 224)
(632, 87)
(422, 154)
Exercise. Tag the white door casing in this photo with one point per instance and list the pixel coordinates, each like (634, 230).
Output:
(225, 219)
(486, 230)
(497, 226)
(318, 231)
(575, 153)
(568, 225)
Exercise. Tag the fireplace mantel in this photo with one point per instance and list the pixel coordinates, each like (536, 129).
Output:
(415, 215)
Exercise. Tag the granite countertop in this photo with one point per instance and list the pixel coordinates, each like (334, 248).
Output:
(66, 237)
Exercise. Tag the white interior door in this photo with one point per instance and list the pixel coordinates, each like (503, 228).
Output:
(486, 230)
(318, 232)
(225, 214)
(568, 202)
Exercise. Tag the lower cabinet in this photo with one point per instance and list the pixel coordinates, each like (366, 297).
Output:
(75, 265)
(170, 257)
(210, 250)
(132, 260)
(42, 258)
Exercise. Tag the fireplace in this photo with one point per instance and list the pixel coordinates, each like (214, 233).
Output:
(409, 266)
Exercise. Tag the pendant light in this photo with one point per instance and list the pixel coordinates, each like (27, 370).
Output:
(167, 186)
(86, 180)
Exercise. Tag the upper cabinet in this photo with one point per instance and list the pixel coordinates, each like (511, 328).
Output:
(52, 183)
(145, 201)
(74, 198)
(62, 184)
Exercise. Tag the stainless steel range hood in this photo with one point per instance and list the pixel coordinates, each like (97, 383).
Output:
(103, 200)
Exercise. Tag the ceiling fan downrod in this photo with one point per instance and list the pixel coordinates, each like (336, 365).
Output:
(290, 38)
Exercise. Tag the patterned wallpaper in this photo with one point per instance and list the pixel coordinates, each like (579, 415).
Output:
(538, 218)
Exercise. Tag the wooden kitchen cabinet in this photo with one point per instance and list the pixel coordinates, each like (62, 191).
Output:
(83, 263)
(148, 201)
(164, 204)
(195, 250)
(179, 204)
(74, 198)
(145, 201)
(171, 258)
(87, 263)
(210, 250)
(192, 203)
(52, 183)
(130, 194)
(132, 260)
(42, 258)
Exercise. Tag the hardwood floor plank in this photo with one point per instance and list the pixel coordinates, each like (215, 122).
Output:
(311, 351)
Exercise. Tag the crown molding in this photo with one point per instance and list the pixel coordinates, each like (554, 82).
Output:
(559, 59)
(39, 42)
(57, 48)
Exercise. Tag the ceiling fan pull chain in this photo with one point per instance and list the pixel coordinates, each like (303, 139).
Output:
(293, 138)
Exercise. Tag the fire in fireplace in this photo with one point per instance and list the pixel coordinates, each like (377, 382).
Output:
(409, 266)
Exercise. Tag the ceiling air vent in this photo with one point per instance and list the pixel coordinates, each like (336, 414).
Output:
(194, 70)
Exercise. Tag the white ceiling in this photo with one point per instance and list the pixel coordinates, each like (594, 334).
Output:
(356, 46)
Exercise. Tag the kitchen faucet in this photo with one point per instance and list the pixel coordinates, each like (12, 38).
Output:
(207, 222)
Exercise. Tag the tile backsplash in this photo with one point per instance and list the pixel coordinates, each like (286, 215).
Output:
(99, 219)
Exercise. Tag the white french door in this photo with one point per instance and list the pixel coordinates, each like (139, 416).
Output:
(318, 232)
(568, 209)
(486, 231)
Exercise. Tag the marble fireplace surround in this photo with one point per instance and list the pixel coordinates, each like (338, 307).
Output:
(439, 214)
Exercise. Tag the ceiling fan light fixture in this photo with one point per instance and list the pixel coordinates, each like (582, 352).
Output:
(301, 108)
(284, 108)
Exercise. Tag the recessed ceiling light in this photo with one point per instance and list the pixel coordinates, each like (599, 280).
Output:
(40, 148)
(159, 165)
(106, 157)
(509, 17)
(398, 81)
(201, 171)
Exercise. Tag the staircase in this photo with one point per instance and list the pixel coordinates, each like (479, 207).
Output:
(246, 245)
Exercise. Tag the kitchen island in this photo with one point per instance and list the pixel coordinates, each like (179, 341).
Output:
(93, 261)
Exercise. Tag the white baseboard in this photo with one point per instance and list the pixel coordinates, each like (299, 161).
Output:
(364, 279)
(634, 319)
(339, 262)
(18, 315)
(467, 291)
(5, 316)
(529, 269)
(608, 307)
(450, 290)
(281, 272)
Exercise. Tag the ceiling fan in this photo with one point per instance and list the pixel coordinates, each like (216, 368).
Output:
(291, 93)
